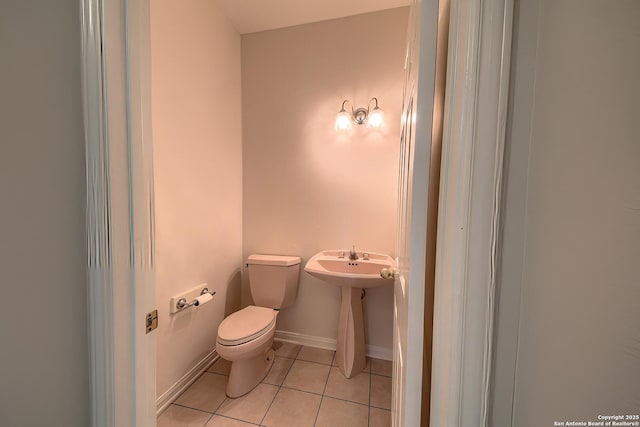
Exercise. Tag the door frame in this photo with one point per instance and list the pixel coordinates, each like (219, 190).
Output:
(467, 252)
(120, 231)
(115, 60)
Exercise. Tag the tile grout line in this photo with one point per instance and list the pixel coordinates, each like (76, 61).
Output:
(324, 389)
(375, 406)
(221, 403)
(215, 373)
(192, 408)
(331, 397)
(279, 386)
(369, 407)
(380, 375)
(270, 405)
(235, 419)
(225, 395)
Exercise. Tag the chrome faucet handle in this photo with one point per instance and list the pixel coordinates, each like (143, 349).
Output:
(341, 254)
(365, 256)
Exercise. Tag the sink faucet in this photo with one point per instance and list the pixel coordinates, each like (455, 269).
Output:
(352, 254)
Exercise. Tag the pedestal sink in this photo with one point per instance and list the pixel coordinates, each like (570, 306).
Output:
(351, 275)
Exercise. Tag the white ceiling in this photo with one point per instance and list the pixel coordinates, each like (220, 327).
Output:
(250, 16)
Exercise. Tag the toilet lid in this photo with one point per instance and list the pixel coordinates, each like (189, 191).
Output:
(245, 325)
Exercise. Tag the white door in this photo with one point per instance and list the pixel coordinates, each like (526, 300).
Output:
(415, 157)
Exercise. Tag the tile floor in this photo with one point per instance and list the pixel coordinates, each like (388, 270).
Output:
(303, 388)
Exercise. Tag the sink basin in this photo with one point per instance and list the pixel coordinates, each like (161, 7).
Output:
(361, 273)
(351, 276)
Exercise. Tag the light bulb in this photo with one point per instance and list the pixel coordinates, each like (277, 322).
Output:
(343, 121)
(376, 118)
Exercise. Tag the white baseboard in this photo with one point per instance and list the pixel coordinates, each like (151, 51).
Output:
(183, 383)
(330, 344)
(378, 352)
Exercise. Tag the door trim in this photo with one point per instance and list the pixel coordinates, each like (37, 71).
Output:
(142, 204)
(467, 248)
(120, 228)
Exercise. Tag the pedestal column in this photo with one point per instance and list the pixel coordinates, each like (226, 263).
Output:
(350, 349)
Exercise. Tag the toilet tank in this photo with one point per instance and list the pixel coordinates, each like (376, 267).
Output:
(273, 279)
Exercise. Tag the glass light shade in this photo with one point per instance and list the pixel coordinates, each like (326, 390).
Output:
(376, 118)
(343, 121)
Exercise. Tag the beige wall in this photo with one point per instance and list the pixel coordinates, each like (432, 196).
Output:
(198, 175)
(44, 374)
(306, 187)
(572, 229)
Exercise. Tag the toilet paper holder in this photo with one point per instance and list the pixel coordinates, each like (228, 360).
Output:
(182, 302)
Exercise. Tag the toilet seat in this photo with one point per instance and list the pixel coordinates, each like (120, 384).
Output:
(246, 325)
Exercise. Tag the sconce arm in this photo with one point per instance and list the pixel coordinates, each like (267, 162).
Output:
(369, 106)
(343, 103)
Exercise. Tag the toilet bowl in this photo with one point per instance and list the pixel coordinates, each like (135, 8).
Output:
(245, 338)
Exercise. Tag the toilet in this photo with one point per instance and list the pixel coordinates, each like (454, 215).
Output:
(245, 338)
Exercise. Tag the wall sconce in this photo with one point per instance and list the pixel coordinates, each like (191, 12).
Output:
(373, 118)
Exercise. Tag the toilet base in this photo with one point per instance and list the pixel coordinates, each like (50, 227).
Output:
(246, 374)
